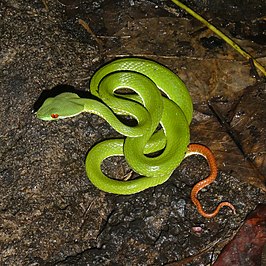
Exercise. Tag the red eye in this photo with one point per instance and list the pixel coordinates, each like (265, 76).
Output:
(54, 115)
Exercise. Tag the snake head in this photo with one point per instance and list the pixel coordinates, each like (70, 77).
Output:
(61, 106)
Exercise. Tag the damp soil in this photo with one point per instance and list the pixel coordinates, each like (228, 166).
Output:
(50, 213)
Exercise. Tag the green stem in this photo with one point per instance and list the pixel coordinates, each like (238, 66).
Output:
(222, 35)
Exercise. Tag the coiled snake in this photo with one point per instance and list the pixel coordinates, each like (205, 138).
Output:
(160, 103)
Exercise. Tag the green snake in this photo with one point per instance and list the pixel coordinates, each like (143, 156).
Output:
(151, 95)
(160, 104)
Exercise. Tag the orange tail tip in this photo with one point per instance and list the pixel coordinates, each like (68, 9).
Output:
(206, 152)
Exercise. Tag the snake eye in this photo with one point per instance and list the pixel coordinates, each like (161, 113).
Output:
(54, 115)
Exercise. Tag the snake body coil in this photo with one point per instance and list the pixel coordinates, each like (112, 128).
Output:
(145, 82)
(160, 103)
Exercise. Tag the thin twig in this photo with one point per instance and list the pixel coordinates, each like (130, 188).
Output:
(222, 35)
(85, 214)
(89, 30)
(231, 132)
(45, 5)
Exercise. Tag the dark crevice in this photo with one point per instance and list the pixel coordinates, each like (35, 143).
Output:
(234, 137)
